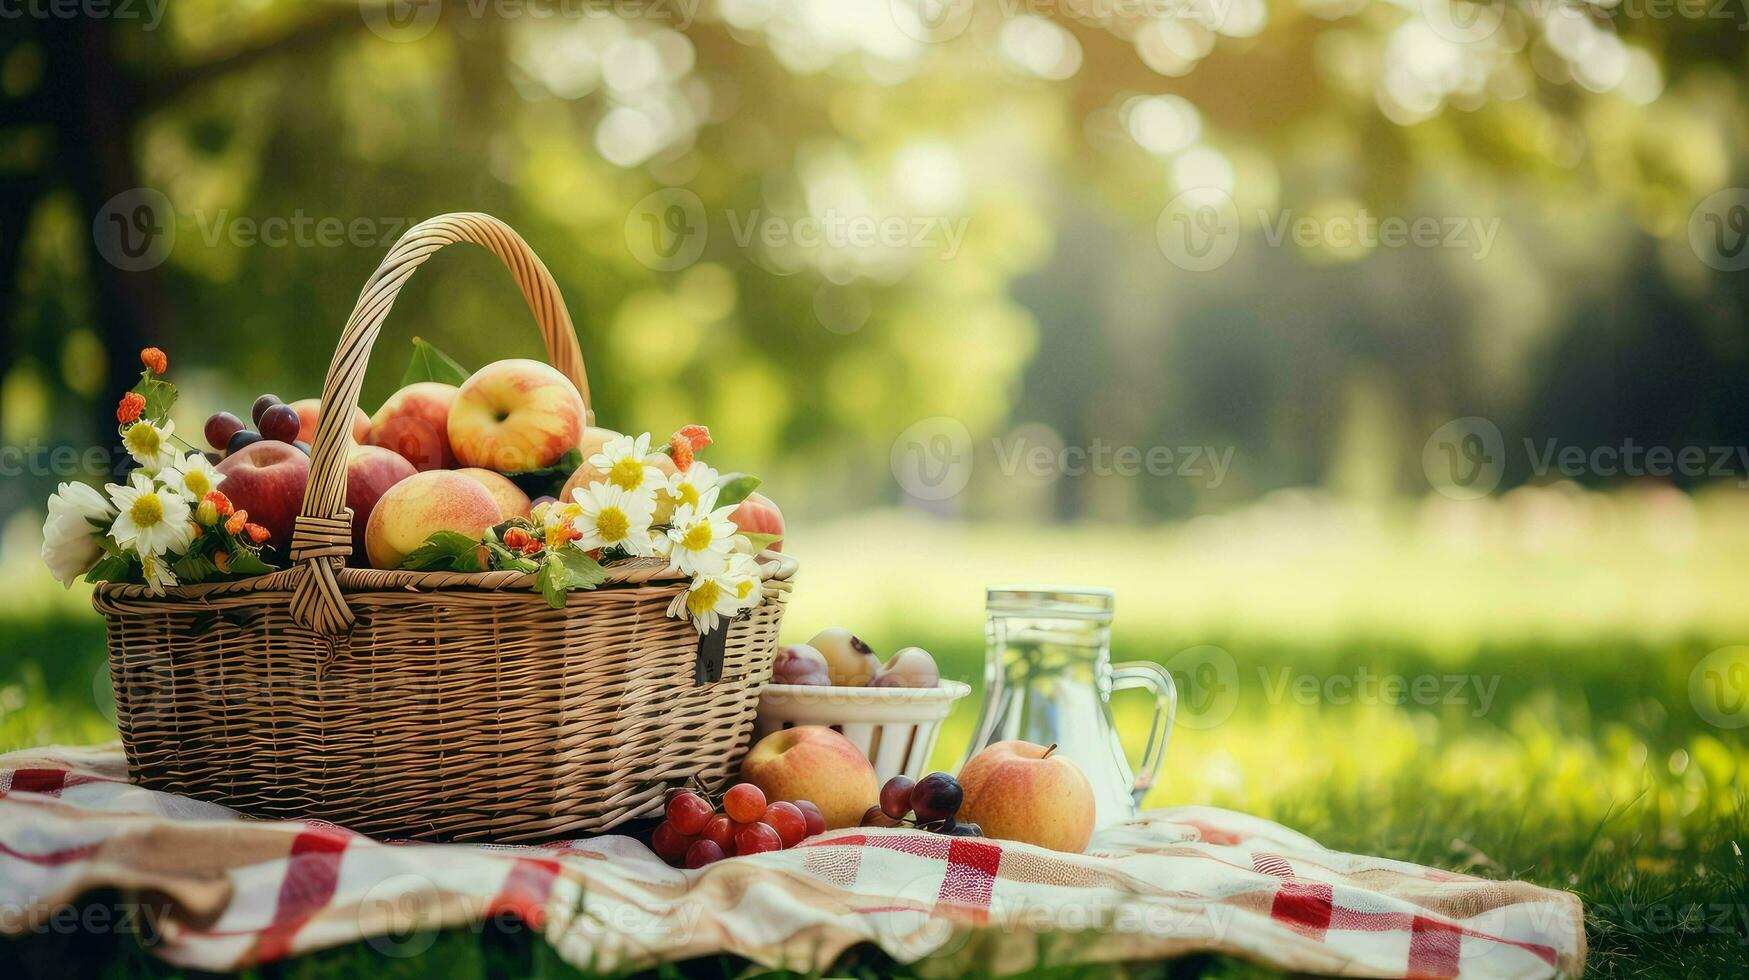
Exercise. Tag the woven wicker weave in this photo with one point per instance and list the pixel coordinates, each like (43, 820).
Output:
(431, 705)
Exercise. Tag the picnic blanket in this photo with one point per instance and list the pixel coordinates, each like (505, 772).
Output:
(214, 891)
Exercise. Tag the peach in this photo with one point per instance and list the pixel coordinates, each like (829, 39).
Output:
(512, 502)
(267, 479)
(849, 660)
(814, 763)
(415, 423)
(1020, 791)
(310, 413)
(421, 505)
(910, 667)
(758, 515)
(370, 472)
(515, 415)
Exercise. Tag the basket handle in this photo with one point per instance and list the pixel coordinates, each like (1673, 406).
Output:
(323, 534)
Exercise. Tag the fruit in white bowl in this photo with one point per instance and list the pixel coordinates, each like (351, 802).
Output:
(512, 502)
(849, 661)
(421, 505)
(370, 472)
(813, 762)
(1019, 791)
(267, 479)
(515, 415)
(910, 667)
(415, 423)
(799, 663)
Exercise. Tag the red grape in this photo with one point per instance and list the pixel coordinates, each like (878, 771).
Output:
(816, 819)
(720, 830)
(241, 438)
(669, 844)
(261, 406)
(703, 852)
(937, 796)
(875, 817)
(688, 812)
(896, 797)
(757, 838)
(744, 802)
(279, 423)
(957, 828)
(789, 822)
(220, 428)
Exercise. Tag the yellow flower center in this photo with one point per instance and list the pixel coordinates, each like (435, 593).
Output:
(197, 483)
(700, 600)
(697, 537)
(688, 495)
(743, 587)
(147, 511)
(627, 474)
(612, 524)
(143, 440)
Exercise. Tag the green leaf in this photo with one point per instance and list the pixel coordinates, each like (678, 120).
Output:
(159, 396)
(761, 541)
(445, 551)
(192, 568)
(551, 581)
(243, 563)
(734, 488)
(431, 364)
(111, 568)
(583, 571)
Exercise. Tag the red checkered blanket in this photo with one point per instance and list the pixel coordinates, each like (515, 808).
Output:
(217, 892)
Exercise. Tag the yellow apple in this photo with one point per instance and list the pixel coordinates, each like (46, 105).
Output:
(814, 763)
(422, 504)
(515, 415)
(1020, 791)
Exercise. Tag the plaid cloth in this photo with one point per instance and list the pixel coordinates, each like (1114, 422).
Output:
(212, 891)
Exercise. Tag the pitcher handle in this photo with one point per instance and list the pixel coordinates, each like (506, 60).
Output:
(1148, 674)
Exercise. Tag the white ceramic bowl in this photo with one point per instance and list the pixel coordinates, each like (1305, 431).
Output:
(895, 727)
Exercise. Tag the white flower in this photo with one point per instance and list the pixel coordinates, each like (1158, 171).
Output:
(158, 574)
(70, 534)
(700, 538)
(684, 488)
(150, 445)
(612, 518)
(622, 462)
(195, 477)
(742, 577)
(151, 520)
(710, 600)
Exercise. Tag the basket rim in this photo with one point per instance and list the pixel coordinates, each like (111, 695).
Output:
(773, 567)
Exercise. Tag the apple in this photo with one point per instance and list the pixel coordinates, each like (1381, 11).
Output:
(758, 515)
(267, 479)
(415, 423)
(512, 502)
(421, 505)
(849, 661)
(370, 472)
(310, 413)
(1020, 791)
(515, 415)
(812, 762)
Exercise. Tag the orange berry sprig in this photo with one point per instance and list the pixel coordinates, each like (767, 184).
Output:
(685, 443)
(132, 404)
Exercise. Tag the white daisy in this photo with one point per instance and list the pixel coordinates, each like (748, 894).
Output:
(742, 577)
(77, 513)
(158, 574)
(150, 520)
(621, 461)
(613, 518)
(699, 538)
(195, 476)
(684, 488)
(709, 601)
(150, 445)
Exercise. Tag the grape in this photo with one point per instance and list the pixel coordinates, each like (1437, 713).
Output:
(757, 838)
(799, 663)
(669, 844)
(896, 797)
(703, 852)
(744, 803)
(720, 830)
(279, 423)
(874, 817)
(937, 796)
(958, 828)
(789, 822)
(261, 406)
(816, 819)
(220, 428)
(688, 812)
(243, 437)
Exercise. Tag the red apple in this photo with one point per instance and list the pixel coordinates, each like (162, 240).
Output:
(758, 515)
(415, 423)
(1020, 791)
(370, 472)
(515, 415)
(310, 412)
(267, 479)
(813, 762)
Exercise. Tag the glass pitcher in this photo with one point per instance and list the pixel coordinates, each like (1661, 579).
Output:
(1048, 678)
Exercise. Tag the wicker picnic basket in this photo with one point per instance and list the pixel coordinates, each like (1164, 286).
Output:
(431, 705)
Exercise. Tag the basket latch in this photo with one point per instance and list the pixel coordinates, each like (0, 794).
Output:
(708, 665)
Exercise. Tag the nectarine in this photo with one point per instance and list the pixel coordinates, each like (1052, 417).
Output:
(370, 472)
(511, 500)
(415, 423)
(812, 762)
(421, 505)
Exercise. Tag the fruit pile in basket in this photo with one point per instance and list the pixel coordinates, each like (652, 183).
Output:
(498, 469)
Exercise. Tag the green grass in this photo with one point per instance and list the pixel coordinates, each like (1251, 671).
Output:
(1574, 755)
